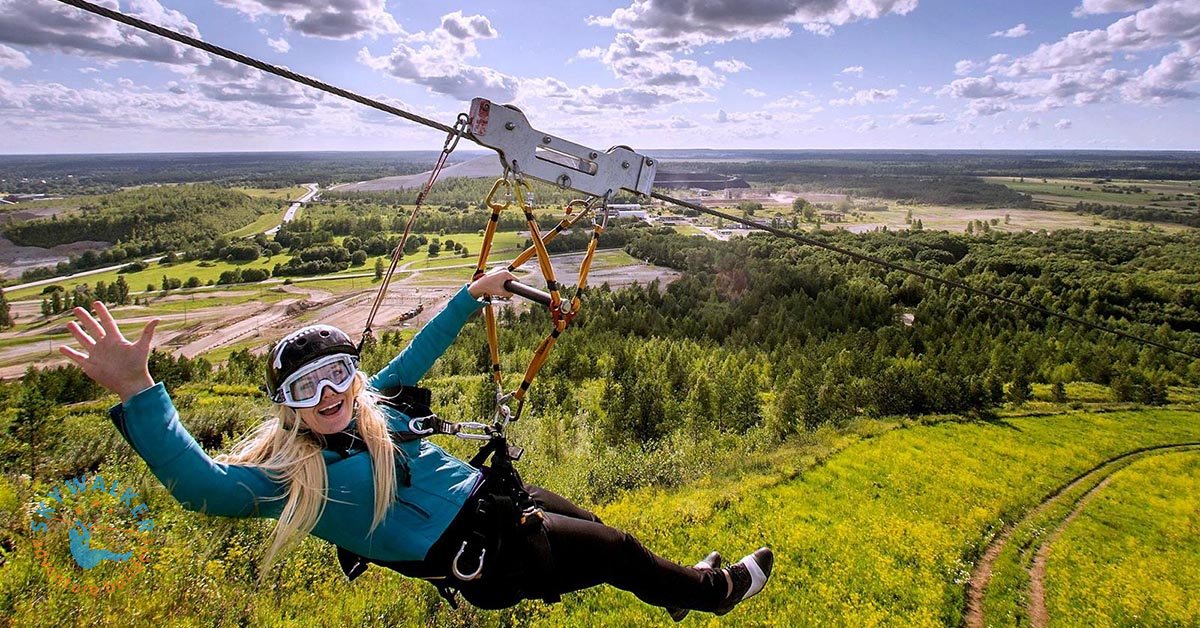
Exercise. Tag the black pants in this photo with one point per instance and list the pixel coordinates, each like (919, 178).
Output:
(583, 552)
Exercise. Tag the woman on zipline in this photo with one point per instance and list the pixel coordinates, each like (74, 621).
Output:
(343, 462)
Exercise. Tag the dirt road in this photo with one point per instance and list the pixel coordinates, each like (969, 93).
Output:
(1035, 551)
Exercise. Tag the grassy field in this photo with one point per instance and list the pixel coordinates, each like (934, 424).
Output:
(264, 222)
(202, 270)
(287, 194)
(1131, 556)
(1068, 192)
(874, 525)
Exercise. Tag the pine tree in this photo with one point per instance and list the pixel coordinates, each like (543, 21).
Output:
(122, 287)
(5, 313)
(33, 423)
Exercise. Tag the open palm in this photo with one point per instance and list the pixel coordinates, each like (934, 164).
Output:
(107, 356)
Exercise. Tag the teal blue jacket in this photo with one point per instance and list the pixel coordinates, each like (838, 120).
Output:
(440, 483)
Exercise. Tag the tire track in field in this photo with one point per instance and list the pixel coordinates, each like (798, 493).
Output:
(982, 574)
(1039, 617)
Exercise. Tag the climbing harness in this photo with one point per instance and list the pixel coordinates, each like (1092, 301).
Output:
(501, 513)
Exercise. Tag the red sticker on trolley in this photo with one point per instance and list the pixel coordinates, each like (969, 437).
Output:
(480, 110)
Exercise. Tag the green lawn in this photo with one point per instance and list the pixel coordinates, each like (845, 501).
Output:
(264, 222)
(287, 194)
(1132, 556)
(1064, 192)
(203, 270)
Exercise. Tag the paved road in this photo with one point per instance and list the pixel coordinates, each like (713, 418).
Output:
(291, 212)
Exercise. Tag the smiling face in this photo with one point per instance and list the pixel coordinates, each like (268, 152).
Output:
(332, 414)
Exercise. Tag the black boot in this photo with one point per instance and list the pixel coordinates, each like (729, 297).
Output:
(747, 577)
(712, 561)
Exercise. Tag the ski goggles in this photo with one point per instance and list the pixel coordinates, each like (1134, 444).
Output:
(303, 389)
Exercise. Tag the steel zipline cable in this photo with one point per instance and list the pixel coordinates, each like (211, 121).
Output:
(412, 117)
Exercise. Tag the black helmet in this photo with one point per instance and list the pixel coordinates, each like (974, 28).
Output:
(301, 347)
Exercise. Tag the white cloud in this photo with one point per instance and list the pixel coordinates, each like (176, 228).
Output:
(468, 27)
(1167, 23)
(55, 26)
(754, 93)
(1062, 124)
(1020, 30)
(923, 119)
(13, 59)
(730, 66)
(964, 67)
(129, 106)
(753, 117)
(866, 97)
(594, 99)
(986, 108)
(638, 64)
(1092, 7)
(797, 100)
(436, 60)
(330, 19)
(1029, 124)
(1167, 80)
(973, 88)
(1082, 67)
(856, 70)
(687, 24)
(279, 45)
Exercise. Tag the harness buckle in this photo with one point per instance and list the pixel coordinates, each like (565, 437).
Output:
(458, 573)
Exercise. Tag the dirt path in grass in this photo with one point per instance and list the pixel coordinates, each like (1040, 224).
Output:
(1035, 604)
(1038, 617)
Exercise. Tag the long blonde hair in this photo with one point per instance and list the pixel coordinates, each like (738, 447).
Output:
(288, 453)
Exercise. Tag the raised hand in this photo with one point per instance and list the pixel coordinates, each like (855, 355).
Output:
(107, 356)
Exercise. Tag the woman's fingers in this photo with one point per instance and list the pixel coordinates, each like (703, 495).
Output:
(106, 319)
(147, 335)
(76, 356)
(89, 323)
(82, 336)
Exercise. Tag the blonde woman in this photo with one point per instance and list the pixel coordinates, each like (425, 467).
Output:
(341, 462)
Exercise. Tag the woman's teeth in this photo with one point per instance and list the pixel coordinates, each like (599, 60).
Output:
(331, 410)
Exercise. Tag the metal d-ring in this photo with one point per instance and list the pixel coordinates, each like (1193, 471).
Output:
(458, 572)
(413, 423)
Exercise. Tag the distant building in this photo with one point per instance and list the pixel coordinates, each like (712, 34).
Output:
(832, 216)
(626, 210)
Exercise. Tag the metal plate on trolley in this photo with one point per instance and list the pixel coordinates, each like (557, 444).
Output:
(555, 160)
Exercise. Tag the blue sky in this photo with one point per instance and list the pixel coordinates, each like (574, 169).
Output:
(1103, 74)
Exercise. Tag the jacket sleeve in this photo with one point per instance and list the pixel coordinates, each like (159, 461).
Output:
(429, 344)
(150, 424)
